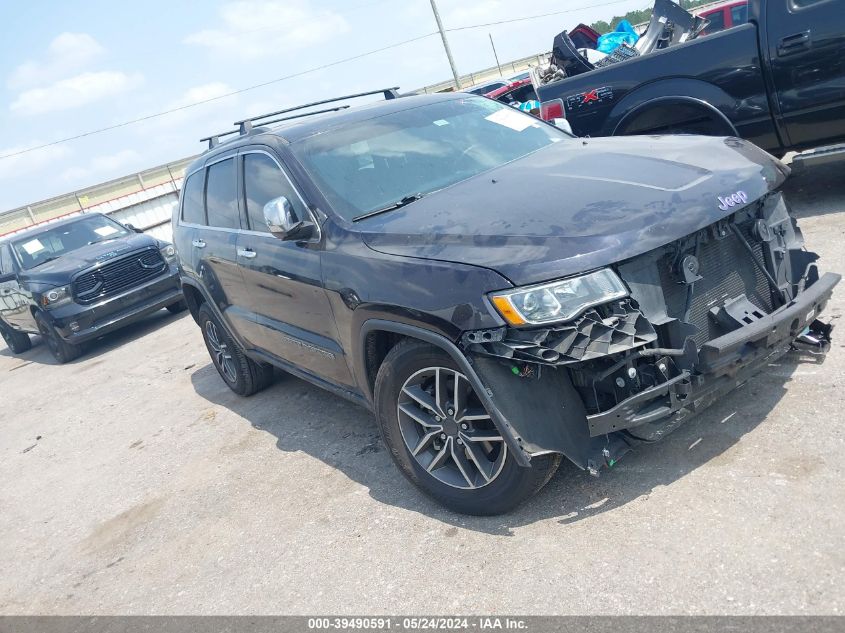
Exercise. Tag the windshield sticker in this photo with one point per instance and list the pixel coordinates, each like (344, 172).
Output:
(105, 231)
(511, 119)
(441, 122)
(33, 246)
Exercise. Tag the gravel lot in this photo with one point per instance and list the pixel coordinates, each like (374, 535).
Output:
(133, 481)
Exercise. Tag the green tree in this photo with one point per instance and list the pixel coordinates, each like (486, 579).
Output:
(643, 15)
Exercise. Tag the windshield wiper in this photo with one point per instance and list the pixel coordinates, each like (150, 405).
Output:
(105, 239)
(391, 207)
(44, 261)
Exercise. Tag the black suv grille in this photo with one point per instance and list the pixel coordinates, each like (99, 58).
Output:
(118, 275)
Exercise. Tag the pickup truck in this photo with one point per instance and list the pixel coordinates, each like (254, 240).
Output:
(777, 80)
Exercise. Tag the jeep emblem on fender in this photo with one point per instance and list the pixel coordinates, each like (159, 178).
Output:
(732, 200)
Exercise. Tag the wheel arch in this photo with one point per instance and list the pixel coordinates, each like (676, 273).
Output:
(194, 298)
(724, 126)
(405, 331)
(679, 90)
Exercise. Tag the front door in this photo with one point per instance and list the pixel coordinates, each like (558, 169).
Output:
(288, 304)
(806, 44)
(14, 300)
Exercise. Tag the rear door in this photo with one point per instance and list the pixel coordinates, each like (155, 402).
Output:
(806, 48)
(290, 308)
(216, 224)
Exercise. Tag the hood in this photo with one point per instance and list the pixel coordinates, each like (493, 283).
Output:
(59, 271)
(578, 205)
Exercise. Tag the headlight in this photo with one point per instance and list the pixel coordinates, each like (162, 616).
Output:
(168, 251)
(56, 297)
(558, 300)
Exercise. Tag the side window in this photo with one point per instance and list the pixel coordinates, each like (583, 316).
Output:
(221, 198)
(263, 181)
(716, 21)
(6, 265)
(739, 14)
(192, 209)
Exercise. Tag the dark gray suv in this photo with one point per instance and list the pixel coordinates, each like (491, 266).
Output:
(499, 293)
(76, 279)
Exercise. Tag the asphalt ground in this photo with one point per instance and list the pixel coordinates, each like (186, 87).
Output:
(132, 481)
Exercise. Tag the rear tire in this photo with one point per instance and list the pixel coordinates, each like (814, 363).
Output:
(61, 350)
(17, 342)
(442, 439)
(241, 374)
(176, 308)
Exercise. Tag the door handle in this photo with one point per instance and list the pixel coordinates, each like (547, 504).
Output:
(199, 243)
(794, 43)
(247, 253)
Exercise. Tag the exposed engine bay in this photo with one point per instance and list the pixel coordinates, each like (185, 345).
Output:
(704, 314)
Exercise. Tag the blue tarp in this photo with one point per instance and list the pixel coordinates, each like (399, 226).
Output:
(624, 33)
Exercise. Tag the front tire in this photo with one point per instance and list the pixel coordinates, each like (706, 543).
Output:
(241, 374)
(61, 350)
(176, 308)
(443, 440)
(17, 342)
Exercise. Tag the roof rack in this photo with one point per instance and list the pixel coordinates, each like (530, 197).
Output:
(246, 125)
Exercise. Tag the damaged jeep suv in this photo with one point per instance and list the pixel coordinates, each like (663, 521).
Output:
(390, 254)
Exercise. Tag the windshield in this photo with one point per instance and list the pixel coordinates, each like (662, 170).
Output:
(50, 244)
(375, 164)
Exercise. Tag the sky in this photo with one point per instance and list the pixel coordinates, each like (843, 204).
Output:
(68, 67)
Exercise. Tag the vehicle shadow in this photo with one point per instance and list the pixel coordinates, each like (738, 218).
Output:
(305, 418)
(816, 190)
(40, 354)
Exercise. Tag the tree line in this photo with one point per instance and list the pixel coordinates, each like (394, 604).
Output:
(643, 15)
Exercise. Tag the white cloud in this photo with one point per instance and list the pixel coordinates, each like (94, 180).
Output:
(200, 93)
(261, 28)
(74, 92)
(102, 167)
(23, 165)
(66, 54)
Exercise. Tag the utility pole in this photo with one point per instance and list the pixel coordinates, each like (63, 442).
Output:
(446, 45)
(496, 55)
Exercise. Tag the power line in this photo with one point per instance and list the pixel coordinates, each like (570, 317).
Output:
(215, 98)
(533, 17)
(293, 76)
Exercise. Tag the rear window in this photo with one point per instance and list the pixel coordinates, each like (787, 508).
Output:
(221, 197)
(192, 210)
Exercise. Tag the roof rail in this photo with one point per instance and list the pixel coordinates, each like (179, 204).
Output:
(245, 126)
(214, 139)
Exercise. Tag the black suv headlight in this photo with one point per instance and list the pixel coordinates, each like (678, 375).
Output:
(558, 300)
(168, 251)
(55, 297)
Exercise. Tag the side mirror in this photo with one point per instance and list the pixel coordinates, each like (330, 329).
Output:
(282, 221)
(134, 228)
(563, 124)
(4, 277)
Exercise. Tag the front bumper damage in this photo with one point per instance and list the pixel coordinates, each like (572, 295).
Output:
(704, 315)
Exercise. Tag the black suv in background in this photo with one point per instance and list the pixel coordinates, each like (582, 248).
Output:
(76, 279)
(497, 291)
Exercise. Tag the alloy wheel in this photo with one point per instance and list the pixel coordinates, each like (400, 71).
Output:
(220, 353)
(448, 431)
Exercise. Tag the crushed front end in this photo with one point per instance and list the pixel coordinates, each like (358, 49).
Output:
(701, 315)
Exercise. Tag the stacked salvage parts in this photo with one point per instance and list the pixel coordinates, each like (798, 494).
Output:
(670, 24)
